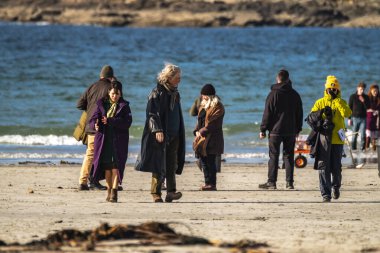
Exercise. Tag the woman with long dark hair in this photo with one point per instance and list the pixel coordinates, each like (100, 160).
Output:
(111, 120)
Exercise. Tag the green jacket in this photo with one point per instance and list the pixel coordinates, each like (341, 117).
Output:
(79, 132)
(340, 110)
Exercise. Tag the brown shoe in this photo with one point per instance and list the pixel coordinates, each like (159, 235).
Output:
(208, 187)
(157, 198)
(170, 196)
(113, 196)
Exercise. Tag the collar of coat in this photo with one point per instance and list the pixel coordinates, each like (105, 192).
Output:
(212, 113)
(120, 104)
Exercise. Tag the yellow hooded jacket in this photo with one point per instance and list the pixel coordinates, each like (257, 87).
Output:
(340, 110)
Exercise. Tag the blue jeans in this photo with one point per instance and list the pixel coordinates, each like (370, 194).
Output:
(359, 125)
(333, 169)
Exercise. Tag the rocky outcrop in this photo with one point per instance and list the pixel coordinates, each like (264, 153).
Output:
(195, 13)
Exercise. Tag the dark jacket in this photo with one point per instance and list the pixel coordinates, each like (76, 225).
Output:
(152, 157)
(90, 97)
(283, 113)
(121, 123)
(373, 114)
(211, 130)
(320, 137)
(358, 108)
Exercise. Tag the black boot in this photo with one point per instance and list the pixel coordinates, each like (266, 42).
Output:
(95, 185)
(268, 186)
(289, 185)
(367, 142)
(113, 195)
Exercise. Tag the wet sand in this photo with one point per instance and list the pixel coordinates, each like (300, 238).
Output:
(38, 200)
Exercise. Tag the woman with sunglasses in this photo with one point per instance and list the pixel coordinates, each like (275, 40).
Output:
(329, 162)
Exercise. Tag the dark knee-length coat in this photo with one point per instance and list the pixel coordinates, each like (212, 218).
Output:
(120, 123)
(153, 154)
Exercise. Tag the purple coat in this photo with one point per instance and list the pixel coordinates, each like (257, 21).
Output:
(121, 122)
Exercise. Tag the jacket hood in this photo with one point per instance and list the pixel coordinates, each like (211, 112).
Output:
(283, 87)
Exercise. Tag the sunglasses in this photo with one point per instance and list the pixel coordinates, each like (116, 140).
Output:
(333, 90)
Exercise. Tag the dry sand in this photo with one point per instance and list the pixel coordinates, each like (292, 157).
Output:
(38, 200)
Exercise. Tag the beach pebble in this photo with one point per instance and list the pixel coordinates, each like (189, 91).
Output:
(30, 191)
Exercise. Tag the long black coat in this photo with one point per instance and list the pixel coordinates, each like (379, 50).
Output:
(153, 154)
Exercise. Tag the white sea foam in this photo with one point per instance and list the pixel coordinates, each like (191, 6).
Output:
(48, 140)
(40, 156)
(245, 155)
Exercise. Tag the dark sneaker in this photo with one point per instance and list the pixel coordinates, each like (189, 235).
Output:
(119, 188)
(326, 199)
(268, 186)
(170, 196)
(83, 187)
(208, 187)
(97, 186)
(289, 186)
(335, 193)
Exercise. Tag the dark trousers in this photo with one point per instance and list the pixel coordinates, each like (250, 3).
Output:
(171, 168)
(334, 169)
(288, 143)
(209, 169)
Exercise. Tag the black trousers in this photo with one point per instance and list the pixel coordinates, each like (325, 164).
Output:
(209, 169)
(332, 170)
(288, 143)
(171, 168)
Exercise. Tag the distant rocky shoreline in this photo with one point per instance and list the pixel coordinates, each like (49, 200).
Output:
(195, 13)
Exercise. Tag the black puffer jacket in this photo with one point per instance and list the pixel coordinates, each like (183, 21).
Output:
(153, 157)
(320, 137)
(283, 113)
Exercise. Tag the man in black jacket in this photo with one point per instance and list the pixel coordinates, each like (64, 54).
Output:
(87, 102)
(359, 103)
(282, 118)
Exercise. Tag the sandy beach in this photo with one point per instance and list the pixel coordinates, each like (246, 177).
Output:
(36, 200)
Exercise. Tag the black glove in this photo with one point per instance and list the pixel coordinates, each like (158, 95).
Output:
(333, 94)
(328, 112)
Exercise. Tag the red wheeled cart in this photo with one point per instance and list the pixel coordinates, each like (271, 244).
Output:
(301, 148)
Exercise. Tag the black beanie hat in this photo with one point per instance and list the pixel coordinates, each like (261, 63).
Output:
(208, 90)
(106, 72)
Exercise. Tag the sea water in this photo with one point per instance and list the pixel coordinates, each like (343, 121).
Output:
(45, 68)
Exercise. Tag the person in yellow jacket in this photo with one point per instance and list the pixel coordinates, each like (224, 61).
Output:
(340, 109)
